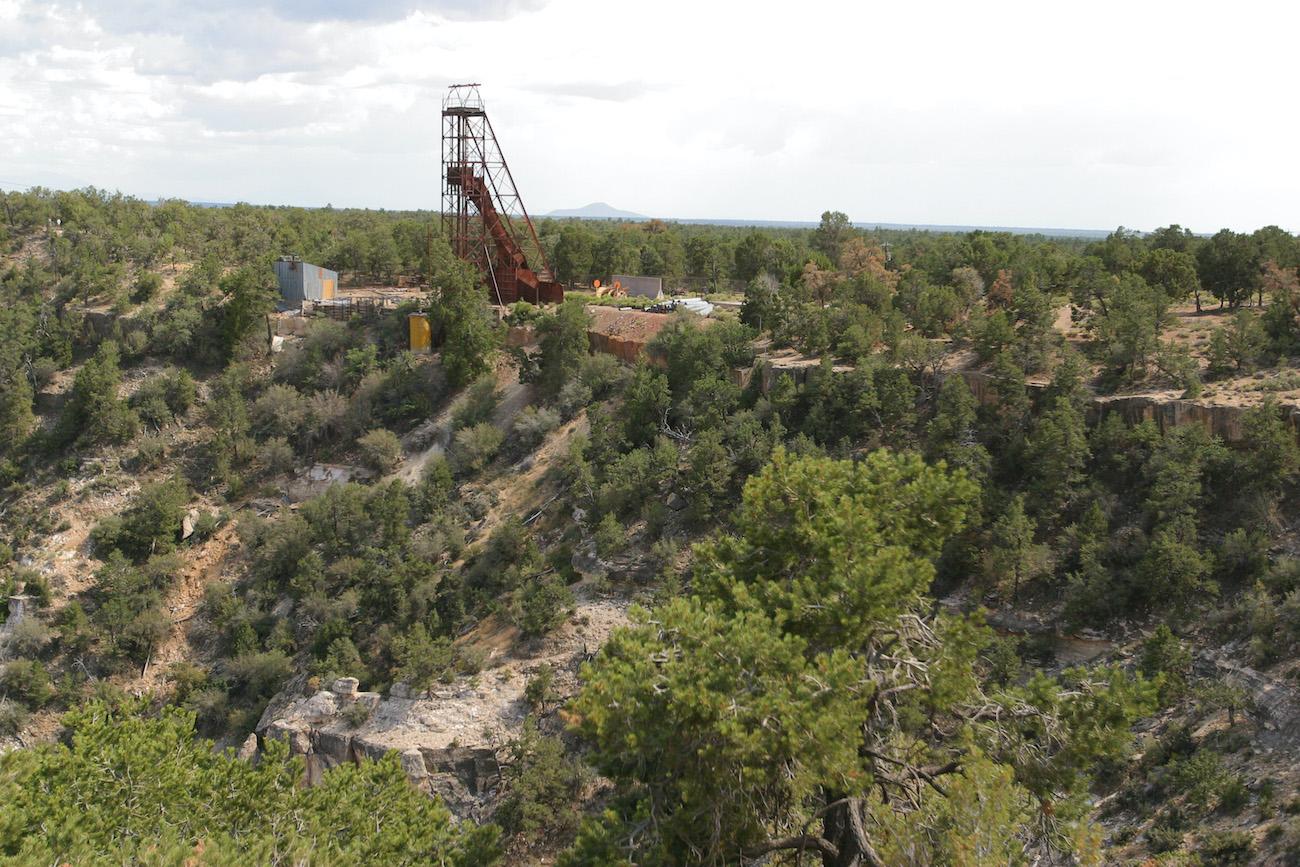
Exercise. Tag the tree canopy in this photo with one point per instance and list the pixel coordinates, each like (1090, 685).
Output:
(133, 789)
(806, 696)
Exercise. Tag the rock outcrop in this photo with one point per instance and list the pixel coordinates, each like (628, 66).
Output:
(1273, 701)
(18, 605)
(1166, 409)
(446, 737)
(426, 731)
(314, 480)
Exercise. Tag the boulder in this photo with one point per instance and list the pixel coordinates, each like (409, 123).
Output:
(320, 707)
(585, 561)
(18, 607)
(248, 750)
(297, 735)
(413, 764)
(345, 687)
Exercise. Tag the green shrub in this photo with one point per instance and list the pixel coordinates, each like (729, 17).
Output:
(1227, 848)
(29, 638)
(573, 397)
(13, 716)
(151, 524)
(205, 525)
(421, 659)
(470, 659)
(473, 447)
(279, 411)
(531, 427)
(94, 413)
(509, 554)
(433, 492)
(27, 680)
(146, 286)
(1164, 655)
(43, 370)
(340, 659)
(1201, 777)
(75, 631)
(542, 785)
(186, 678)
(540, 605)
(1233, 794)
(356, 714)
(150, 452)
(276, 456)
(35, 585)
(164, 397)
(478, 404)
(1163, 839)
(381, 450)
(260, 675)
(609, 536)
(539, 691)
(522, 313)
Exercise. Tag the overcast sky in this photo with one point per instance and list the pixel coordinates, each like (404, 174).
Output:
(1080, 115)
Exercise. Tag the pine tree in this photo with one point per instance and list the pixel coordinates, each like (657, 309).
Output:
(809, 674)
(1012, 557)
(94, 412)
(645, 405)
(131, 789)
(469, 336)
(1056, 454)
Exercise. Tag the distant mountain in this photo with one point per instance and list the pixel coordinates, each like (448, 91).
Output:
(597, 211)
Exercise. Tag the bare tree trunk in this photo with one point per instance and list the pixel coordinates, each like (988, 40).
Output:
(842, 826)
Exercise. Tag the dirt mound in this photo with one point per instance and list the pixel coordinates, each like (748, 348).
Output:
(626, 333)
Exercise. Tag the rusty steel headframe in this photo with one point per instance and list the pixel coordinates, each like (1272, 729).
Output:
(483, 216)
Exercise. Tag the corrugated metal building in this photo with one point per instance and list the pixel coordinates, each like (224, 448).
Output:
(640, 287)
(302, 281)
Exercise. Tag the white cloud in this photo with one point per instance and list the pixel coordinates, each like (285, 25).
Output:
(1014, 113)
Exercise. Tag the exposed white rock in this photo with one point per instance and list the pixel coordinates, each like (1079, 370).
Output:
(320, 707)
(455, 729)
(248, 750)
(345, 687)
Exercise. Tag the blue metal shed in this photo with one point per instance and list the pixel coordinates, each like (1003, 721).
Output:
(303, 281)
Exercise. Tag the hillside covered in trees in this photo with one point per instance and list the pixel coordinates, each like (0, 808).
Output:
(925, 549)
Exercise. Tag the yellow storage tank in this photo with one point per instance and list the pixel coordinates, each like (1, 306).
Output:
(421, 333)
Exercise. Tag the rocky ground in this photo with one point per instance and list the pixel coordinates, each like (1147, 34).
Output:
(449, 735)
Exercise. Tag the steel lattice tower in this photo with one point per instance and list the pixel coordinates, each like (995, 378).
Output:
(483, 216)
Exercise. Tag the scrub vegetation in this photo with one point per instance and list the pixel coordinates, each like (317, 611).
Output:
(905, 583)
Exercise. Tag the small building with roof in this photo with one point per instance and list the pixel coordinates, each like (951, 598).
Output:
(302, 281)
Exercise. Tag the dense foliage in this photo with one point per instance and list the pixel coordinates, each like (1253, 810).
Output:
(133, 790)
(806, 683)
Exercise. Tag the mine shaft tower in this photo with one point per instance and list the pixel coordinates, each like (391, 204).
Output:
(483, 216)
